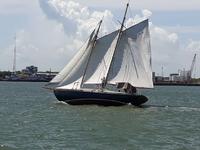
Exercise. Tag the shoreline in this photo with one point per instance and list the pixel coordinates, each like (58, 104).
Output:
(24, 81)
(155, 84)
(176, 84)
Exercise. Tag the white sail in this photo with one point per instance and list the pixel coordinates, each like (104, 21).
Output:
(132, 59)
(101, 59)
(125, 60)
(73, 70)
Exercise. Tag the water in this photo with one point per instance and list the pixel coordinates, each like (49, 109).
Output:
(32, 119)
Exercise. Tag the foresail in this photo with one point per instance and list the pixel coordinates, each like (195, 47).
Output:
(101, 58)
(72, 71)
(132, 59)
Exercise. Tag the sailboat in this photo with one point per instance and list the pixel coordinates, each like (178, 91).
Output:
(108, 70)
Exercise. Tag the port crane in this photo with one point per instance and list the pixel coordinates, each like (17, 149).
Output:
(189, 75)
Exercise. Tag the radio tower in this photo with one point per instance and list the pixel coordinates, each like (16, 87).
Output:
(14, 58)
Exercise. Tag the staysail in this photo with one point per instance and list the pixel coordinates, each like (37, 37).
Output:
(72, 72)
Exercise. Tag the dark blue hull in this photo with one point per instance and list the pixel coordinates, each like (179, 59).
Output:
(79, 97)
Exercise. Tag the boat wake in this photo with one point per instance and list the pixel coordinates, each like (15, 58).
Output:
(180, 108)
(60, 103)
(7, 147)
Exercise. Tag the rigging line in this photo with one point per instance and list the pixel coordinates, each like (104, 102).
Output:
(125, 77)
(121, 24)
(102, 70)
(119, 37)
(125, 73)
(104, 64)
(128, 74)
(132, 56)
(89, 39)
(93, 45)
(131, 13)
(72, 68)
(116, 21)
(67, 75)
(72, 58)
(101, 29)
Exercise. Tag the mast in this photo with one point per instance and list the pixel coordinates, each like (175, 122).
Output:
(14, 58)
(93, 45)
(122, 25)
(104, 82)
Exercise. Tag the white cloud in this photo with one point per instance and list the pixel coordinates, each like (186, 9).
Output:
(84, 20)
(40, 43)
(165, 48)
(146, 13)
(50, 42)
(165, 44)
(162, 34)
(161, 5)
(183, 29)
(18, 7)
(170, 54)
(193, 46)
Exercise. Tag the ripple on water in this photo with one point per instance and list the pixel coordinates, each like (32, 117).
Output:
(32, 119)
(8, 147)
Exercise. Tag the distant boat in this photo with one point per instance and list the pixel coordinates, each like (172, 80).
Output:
(108, 70)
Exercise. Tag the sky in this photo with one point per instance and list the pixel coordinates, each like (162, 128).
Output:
(49, 32)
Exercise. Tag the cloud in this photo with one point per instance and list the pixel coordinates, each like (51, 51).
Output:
(17, 7)
(165, 44)
(183, 29)
(163, 35)
(146, 14)
(77, 20)
(170, 54)
(155, 5)
(60, 28)
(164, 48)
(193, 46)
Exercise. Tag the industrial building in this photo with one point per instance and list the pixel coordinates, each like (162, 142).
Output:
(182, 77)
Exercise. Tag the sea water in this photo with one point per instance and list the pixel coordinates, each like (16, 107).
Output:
(32, 119)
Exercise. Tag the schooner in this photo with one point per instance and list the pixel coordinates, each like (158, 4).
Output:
(108, 70)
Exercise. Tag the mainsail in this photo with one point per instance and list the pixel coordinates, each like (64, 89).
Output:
(132, 59)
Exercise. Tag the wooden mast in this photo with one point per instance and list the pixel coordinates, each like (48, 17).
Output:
(104, 81)
(93, 45)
